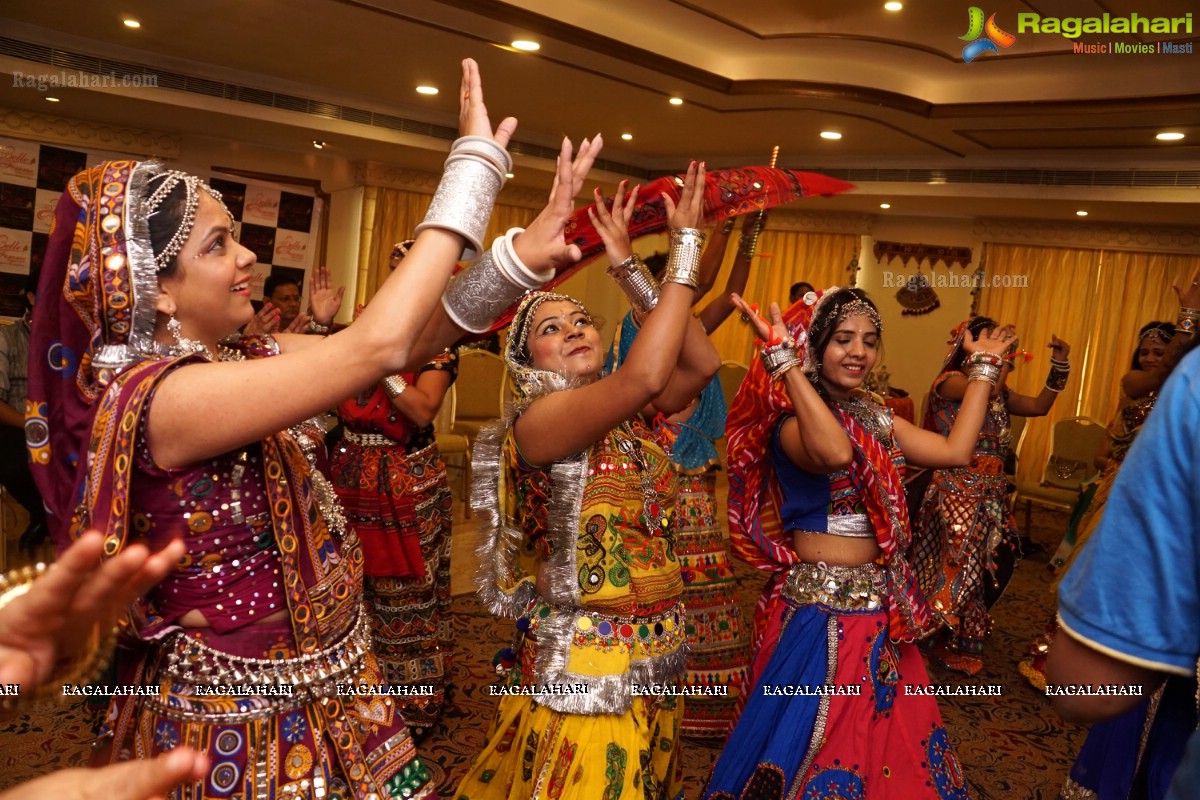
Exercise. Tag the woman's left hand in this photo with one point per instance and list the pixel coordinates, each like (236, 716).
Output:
(325, 301)
(473, 114)
(995, 341)
(613, 226)
(767, 331)
(57, 614)
(1059, 349)
(542, 245)
(690, 211)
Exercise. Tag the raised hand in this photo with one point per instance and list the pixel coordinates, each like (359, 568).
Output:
(265, 321)
(613, 225)
(1189, 294)
(995, 341)
(767, 331)
(1058, 348)
(473, 114)
(56, 615)
(542, 246)
(690, 211)
(299, 324)
(325, 301)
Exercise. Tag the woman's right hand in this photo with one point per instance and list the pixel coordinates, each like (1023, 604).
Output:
(473, 114)
(542, 245)
(995, 341)
(265, 321)
(1189, 294)
(766, 331)
(613, 225)
(690, 211)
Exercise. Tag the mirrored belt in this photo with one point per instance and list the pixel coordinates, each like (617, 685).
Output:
(369, 439)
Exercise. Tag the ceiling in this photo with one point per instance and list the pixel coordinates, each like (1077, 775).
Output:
(1034, 130)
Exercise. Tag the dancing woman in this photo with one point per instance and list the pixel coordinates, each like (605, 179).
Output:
(837, 707)
(966, 544)
(389, 475)
(149, 424)
(577, 493)
(718, 642)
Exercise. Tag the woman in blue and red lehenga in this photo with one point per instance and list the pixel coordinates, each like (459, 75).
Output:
(816, 497)
(150, 419)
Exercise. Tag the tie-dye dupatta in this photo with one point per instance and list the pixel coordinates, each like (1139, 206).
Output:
(755, 527)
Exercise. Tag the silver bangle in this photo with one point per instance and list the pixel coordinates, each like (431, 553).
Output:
(463, 201)
(316, 327)
(683, 262)
(485, 148)
(394, 385)
(634, 279)
(984, 372)
(482, 291)
(779, 358)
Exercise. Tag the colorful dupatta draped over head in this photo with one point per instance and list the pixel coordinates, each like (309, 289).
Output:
(755, 526)
(95, 317)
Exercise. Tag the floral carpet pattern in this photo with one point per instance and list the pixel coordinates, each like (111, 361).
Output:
(1011, 746)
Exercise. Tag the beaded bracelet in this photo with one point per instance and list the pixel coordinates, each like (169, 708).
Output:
(981, 371)
(318, 328)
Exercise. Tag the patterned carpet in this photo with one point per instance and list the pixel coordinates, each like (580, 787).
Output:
(1012, 746)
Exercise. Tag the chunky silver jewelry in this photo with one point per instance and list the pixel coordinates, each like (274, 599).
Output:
(166, 185)
(485, 148)
(859, 307)
(183, 345)
(635, 280)
(463, 201)
(316, 327)
(778, 358)
(980, 371)
(394, 385)
(1056, 381)
(683, 261)
(481, 292)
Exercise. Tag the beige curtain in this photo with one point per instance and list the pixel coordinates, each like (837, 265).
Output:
(1042, 291)
(1094, 299)
(391, 215)
(784, 258)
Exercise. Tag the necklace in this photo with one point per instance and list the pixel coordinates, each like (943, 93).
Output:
(631, 447)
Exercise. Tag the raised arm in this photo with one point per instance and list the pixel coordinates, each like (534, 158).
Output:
(260, 397)
(1023, 405)
(812, 438)
(719, 309)
(420, 400)
(930, 449)
(564, 423)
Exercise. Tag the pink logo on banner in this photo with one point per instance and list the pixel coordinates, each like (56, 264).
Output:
(18, 163)
(290, 249)
(262, 206)
(43, 214)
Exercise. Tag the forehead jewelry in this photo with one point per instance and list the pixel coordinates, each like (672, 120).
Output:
(1155, 333)
(525, 315)
(859, 307)
(192, 185)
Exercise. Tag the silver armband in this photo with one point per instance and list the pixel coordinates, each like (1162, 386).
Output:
(463, 201)
(683, 262)
(482, 291)
(635, 280)
(485, 148)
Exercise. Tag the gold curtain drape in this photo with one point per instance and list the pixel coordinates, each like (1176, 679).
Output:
(391, 215)
(1096, 300)
(784, 258)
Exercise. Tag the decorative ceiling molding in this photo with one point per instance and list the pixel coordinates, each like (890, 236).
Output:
(88, 135)
(784, 219)
(1161, 238)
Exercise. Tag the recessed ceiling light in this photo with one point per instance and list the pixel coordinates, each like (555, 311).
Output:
(627, 137)
(1169, 136)
(427, 90)
(52, 100)
(885, 205)
(1081, 213)
(830, 135)
(131, 23)
(676, 101)
(317, 143)
(508, 175)
(893, 6)
(528, 45)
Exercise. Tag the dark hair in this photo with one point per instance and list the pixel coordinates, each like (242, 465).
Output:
(1166, 327)
(165, 221)
(798, 290)
(975, 326)
(273, 282)
(829, 310)
(656, 263)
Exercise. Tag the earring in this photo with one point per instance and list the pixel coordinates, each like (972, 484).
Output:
(183, 345)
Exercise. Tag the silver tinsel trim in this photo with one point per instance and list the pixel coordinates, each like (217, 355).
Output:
(143, 271)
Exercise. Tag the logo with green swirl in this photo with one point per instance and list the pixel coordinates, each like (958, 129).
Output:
(983, 37)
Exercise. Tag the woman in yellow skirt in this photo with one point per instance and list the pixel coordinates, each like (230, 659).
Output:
(576, 490)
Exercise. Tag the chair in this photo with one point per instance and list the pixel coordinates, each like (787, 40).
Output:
(1017, 426)
(454, 447)
(480, 392)
(1074, 444)
(731, 375)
